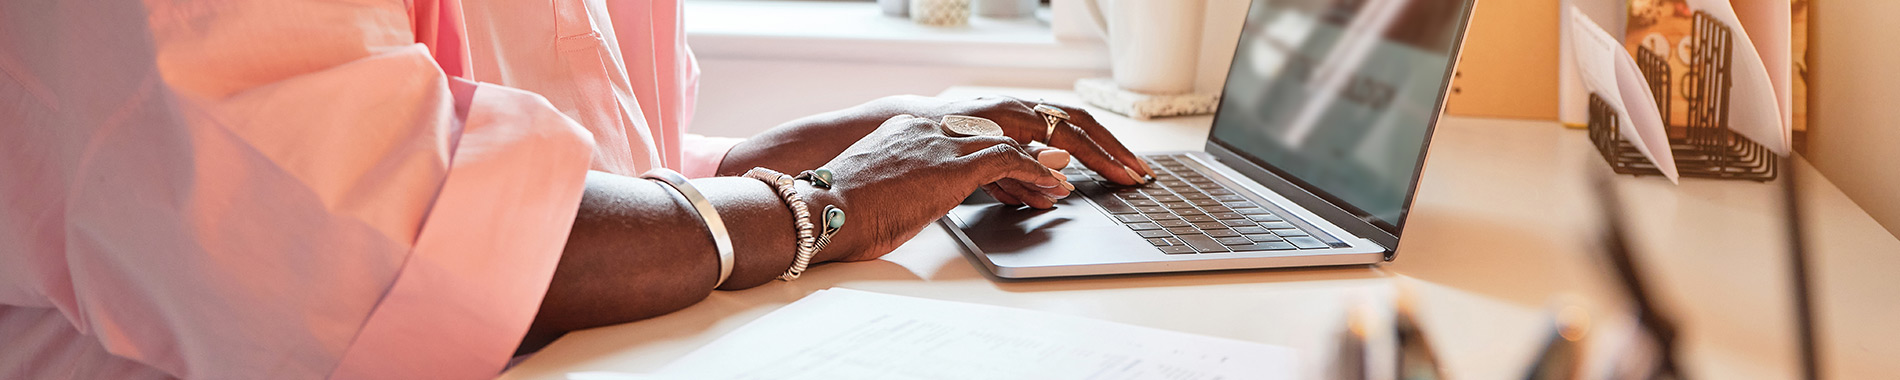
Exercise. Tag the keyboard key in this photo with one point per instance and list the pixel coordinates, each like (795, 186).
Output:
(1152, 209)
(1264, 218)
(1221, 233)
(1188, 212)
(1227, 240)
(1263, 237)
(1154, 191)
(1305, 242)
(1242, 223)
(1159, 242)
(1202, 243)
(1108, 201)
(1197, 218)
(1172, 223)
(1179, 205)
(1178, 231)
(1267, 246)
(1162, 215)
(1132, 218)
(1290, 233)
(1252, 211)
(1203, 181)
(1144, 226)
(1205, 202)
(1216, 209)
(1177, 250)
(1220, 192)
(1247, 230)
(1154, 234)
(1229, 198)
(1210, 226)
(1277, 225)
(1131, 196)
(1140, 202)
(1226, 215)
(1167, 199)
(1239, 204)
(1194, 195)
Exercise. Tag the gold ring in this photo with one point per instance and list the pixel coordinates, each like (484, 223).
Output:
(1051, 116)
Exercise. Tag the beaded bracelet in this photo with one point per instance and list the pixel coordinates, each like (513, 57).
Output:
(801, 216)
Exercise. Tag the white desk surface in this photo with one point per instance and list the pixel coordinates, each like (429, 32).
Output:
(1504, 226)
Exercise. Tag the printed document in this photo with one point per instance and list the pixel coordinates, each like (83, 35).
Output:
(849, 334)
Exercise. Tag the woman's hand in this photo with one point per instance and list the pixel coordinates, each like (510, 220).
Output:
(1079, 137)
(907, 173)
(805, 143)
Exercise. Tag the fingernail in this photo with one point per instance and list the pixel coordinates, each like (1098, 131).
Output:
(1144, 166)
(1053, 158)
(1052, 202)
(1060, 180)
(1139, 180)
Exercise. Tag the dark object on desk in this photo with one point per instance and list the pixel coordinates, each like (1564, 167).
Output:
(1705, 147)
(1798, 258)
(1562, 357)
(1649, 319)
(1416, 360)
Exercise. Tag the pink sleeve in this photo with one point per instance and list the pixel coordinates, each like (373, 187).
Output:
(661, 70)
(702, 155)
(237, 207)
(477, 273)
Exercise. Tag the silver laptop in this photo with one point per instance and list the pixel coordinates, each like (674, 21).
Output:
(1313, 158)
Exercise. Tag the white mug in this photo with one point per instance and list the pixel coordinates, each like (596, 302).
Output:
(1153, 45)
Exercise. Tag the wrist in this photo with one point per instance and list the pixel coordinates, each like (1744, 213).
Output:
(842, 243)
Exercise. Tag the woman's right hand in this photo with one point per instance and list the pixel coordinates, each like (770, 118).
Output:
(908, 173)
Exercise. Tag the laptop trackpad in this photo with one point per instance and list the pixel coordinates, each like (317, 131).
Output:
(1027, 236)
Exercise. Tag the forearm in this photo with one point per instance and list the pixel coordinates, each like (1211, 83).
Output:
(822, 135)
(638, 250)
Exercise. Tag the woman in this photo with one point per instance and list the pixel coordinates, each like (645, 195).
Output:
(420, 189)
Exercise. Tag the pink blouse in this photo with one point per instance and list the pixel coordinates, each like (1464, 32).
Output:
(293, 189)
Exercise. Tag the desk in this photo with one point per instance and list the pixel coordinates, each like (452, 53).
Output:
(1504, 225)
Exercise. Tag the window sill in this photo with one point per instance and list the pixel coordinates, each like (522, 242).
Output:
(860, 32)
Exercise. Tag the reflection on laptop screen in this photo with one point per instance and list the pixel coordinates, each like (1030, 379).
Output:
(1340, 94)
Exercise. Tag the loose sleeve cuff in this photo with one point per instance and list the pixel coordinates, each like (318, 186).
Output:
(467, 293)
(704, 154)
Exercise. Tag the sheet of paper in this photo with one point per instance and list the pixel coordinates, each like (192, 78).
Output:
(1753, 108)
(1612, 74)
(849, 334)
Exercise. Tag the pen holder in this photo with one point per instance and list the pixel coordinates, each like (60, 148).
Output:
(1705, 147)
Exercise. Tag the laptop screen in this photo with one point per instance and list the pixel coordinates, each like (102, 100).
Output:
(1339, 96)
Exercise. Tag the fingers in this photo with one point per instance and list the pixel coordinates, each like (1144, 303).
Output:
(1029, 196)
(1000, 195)
(1007, 161)
(1086, 150)
(1053, 158)
(1107, 141)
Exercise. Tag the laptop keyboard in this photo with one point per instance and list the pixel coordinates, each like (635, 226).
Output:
(1184, 211)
